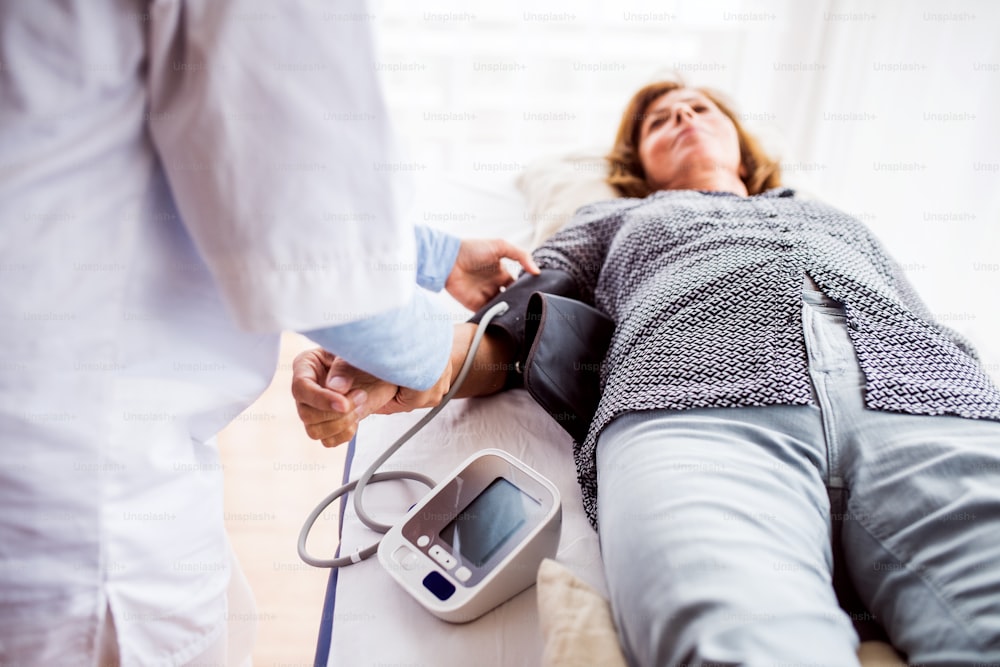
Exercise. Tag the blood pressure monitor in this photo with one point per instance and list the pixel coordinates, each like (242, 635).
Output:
(477, 539)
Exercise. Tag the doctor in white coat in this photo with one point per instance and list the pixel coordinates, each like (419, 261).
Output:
(179, 181)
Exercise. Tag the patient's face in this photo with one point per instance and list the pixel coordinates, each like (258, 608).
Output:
(683, 133)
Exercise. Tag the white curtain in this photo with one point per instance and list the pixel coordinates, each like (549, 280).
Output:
(889, 110)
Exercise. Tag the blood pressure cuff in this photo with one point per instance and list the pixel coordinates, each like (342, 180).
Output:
(560, 344)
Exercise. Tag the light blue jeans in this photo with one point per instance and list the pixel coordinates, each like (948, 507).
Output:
(715, 525)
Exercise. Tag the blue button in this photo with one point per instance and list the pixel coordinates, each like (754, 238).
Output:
(439, 586)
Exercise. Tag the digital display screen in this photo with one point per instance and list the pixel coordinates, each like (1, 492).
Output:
(489, 521)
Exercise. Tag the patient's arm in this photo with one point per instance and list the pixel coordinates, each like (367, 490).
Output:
(493, 360)
(332, 396)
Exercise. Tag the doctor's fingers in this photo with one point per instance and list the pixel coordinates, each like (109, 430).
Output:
(340, 438)
(328, 427)
(311, 416)
(309, 371)
(519, 255)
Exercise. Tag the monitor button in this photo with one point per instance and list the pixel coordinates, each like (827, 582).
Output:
(438, 553)
(438, 585)
(406, 558)
(463, 573)
(423, 541)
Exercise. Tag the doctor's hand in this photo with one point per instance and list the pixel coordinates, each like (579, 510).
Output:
(331, 415)
(332, 396)
(478, 273)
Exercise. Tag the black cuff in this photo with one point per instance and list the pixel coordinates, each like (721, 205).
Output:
(510, 325)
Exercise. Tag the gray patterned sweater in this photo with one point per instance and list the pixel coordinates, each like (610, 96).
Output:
(706, 293)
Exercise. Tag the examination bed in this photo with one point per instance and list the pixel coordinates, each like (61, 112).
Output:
(368, 619)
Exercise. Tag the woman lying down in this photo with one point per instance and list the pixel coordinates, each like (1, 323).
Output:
(768, 355)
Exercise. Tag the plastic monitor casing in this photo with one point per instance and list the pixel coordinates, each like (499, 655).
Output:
(406, 550)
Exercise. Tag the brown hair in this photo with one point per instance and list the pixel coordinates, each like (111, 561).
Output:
(626, 174)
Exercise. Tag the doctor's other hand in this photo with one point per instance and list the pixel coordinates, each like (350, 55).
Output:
(478, 273)
(332, 397)
(332, 415)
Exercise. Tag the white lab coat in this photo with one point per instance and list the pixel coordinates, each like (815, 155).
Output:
(124, 343)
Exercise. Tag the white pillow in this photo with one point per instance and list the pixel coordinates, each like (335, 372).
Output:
(576, 622)
(555, 187)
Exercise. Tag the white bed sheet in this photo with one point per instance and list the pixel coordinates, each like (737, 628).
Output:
(374, 621)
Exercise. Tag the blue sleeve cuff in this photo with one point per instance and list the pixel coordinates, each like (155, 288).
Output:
(408, 346)
(436, 255)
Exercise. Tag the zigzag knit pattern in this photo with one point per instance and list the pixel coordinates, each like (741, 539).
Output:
(706, 291)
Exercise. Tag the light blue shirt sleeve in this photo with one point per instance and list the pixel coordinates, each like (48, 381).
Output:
(436, 255)
(408, 346)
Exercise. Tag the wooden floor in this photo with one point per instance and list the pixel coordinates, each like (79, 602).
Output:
(274, 476)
